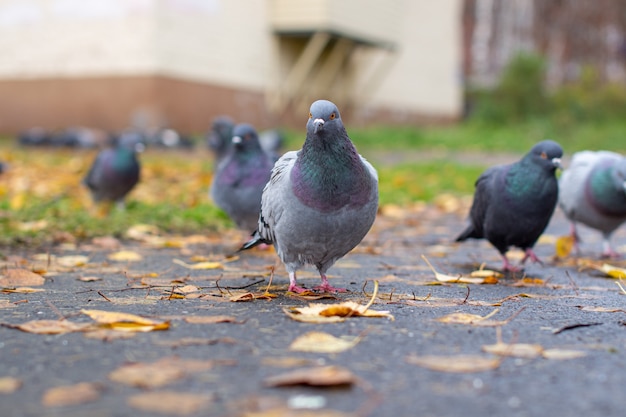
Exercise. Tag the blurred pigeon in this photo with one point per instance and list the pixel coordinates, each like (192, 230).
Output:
(34, 136)
(514, 203)
(240, 177)
(219, 137)
(115, 170)
(321, 201)
(593, 192)
(271, 141)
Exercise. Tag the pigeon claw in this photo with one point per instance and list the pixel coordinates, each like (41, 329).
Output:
(326, 287)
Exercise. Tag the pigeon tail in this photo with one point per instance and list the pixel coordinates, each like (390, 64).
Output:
(469, 232)
(255, 240)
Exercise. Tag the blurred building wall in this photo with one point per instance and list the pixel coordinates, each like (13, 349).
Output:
(110, 63)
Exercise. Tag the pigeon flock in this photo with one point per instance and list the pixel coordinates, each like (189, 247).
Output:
(316, 204)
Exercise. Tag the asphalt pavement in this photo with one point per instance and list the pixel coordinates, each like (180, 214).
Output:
(421, 363)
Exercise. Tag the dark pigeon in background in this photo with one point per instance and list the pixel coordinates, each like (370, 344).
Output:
(593, 192)
(115, 170)
(34, 136)
(240, 177)
(321, 201)
(514, 203)
(219, 137)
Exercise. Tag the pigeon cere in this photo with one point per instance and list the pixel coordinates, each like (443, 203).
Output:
(296, 209)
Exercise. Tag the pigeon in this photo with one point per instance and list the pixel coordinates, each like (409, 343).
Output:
(593, 192)
(514, 203)
(115, 170)
(219, 137)
(320, 201)
(240, 177)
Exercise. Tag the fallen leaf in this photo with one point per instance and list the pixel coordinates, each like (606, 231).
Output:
(609, 270)
(80, 393)
(455, 364)
(474, 319)
(125, 256)
(108, 335)
(318, 376)
(89, 279)
(162, 372)
(518, 350)
(457, 279)
(286, 362)
(7, 304)
(320, 342)
(22, 290)
(564, 246)
(125, 321)
(211, 319)
(49, 326)
(169, 402)
(199, 265)
(14, 277)
(602, 309)
(246, 296)
(562, 354)
(71, 261)
(9, 384)
(187, 289)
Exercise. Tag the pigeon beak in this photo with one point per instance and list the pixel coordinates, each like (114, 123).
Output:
(319, 124)
(557, 162)
(237, 140)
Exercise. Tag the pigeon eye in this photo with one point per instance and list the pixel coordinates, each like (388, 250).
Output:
(332, 116)
(544, 155)
(310, 115)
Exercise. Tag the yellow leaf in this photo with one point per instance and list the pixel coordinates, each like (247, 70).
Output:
(322, 343)
(519, 350)
(210, 319)
(125, 255)
(318, 376)
(14, 277)
(81, 393)
(457, 279)
(562, 354)
(22, 290)
(455, 364)
(564, 246)
(50, 327)
(17, 201)
(199, 265)
(72, 260)
(613, 271)
(9, 384)
(125, 321)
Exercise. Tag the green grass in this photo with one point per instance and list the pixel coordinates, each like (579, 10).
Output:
(43, 184)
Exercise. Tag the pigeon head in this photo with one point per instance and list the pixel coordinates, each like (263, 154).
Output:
(245, 139)
(547, 154)
(132, 141)
(223, 125)
(323, 117)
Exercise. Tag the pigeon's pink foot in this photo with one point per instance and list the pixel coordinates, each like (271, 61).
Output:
(507, 266)
(326, 287)
(531, 255)
(608, 252)
(293, 284)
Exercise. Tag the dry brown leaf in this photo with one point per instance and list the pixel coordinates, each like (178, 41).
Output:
(80, 393)
(600, 309)
(22, 290)
(562, 354)
(246, 296)
(125, 256)
(473, 319)
(286, 362)
(455, 364)
(518, 350)
(108, 335)
(17, 277)
(125, 322)
(187, 289)
(50, 326)
(317, 376)
(9, 384)
(211, 319)
(169, 402)
(199, 265)
(320, 342)
(7, 304)
(162, 372)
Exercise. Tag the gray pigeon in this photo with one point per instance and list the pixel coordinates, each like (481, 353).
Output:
(115, 170)
(593, 192)
(219, 137)
(321, 200)
(514, 203)
(240, 177)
